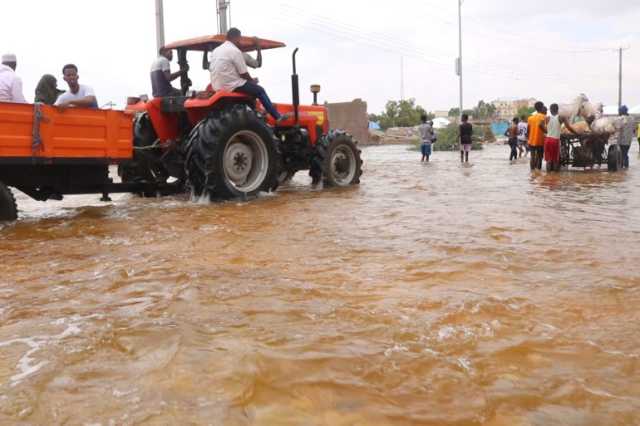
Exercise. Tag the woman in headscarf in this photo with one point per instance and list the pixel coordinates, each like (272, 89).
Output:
(47, 91)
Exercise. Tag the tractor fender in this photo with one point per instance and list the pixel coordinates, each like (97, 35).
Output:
(199, 107)
(217, 97)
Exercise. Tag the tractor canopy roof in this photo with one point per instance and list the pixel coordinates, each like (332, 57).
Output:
(208, 43)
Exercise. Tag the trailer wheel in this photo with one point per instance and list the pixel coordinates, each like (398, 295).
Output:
(8, 206)
(336, 160)
(232, 154)
(614, 158)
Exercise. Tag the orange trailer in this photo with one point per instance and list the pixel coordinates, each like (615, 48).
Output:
(41, 134)
(47, 152)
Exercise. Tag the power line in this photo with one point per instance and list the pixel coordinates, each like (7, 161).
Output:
(400, 45)
(515, 39)
(358, 37)
(357, 34)
(394, 46)
(326, 20)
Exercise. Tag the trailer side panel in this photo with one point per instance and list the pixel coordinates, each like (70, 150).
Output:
(72, 133)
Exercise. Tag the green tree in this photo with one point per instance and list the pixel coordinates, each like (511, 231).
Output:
(455, 112)
(525, 111)
(401, 114)
(484, 111)
(449, 138)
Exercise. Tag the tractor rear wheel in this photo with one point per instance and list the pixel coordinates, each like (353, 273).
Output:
(614, 158)
(8, 206)
(232, 154)
(336, 160)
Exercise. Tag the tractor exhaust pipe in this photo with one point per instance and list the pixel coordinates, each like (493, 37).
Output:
(295, 88)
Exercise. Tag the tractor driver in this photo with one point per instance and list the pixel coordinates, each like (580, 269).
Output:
(161, 76)
(229, 73)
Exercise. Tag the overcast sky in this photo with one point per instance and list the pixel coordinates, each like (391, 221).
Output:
(548, 49)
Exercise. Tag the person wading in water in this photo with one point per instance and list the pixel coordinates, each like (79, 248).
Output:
(466, 141)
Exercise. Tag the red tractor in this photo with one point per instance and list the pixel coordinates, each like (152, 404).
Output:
(223, 145)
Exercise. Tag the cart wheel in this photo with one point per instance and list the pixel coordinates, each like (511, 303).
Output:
(614, 159)
(8, 207)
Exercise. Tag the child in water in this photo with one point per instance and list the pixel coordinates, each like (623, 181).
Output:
(427, 137)
(512, 134)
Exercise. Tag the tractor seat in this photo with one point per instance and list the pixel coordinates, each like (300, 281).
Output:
(173, 103)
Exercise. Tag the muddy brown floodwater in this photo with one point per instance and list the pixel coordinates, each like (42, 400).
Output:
(431, 294)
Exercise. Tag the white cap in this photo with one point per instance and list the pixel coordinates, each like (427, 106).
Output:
(8, 58)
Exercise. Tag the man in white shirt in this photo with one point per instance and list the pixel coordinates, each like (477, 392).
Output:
(10, 83)
(229, 73)
(78, 95)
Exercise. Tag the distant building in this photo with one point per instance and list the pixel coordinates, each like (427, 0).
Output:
(441, 122)
(441, 114)
(507, 109)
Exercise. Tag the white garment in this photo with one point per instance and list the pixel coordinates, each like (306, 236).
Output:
(161, 64)
(626, 130)
(227, 64)
(251, 61)
(523, 131)
(10, 86)
(83, 92)
(553, 128)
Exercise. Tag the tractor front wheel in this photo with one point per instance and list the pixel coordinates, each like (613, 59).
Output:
(145, 166)
(8, 206)
(232, 154)
(336, 160)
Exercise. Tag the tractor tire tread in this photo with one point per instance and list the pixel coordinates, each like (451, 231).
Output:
(206, 142)
(320, 165)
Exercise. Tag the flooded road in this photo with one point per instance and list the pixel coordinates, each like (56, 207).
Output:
(431, 294)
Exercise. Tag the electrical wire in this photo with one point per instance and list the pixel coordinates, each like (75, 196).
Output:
(358, 37)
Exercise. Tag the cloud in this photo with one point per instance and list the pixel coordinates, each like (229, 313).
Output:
(570, 9)
(547, 49)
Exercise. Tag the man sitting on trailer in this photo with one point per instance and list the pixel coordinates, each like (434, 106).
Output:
(10, 83)
(229, 73)
(78, 95)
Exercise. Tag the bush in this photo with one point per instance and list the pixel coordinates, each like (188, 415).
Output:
(403, 113)
(449, 138)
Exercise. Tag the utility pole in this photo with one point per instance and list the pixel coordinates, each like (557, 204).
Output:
(620, 78)
(459, 63)
(402, 78)
(223, 22)
(159, 24)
